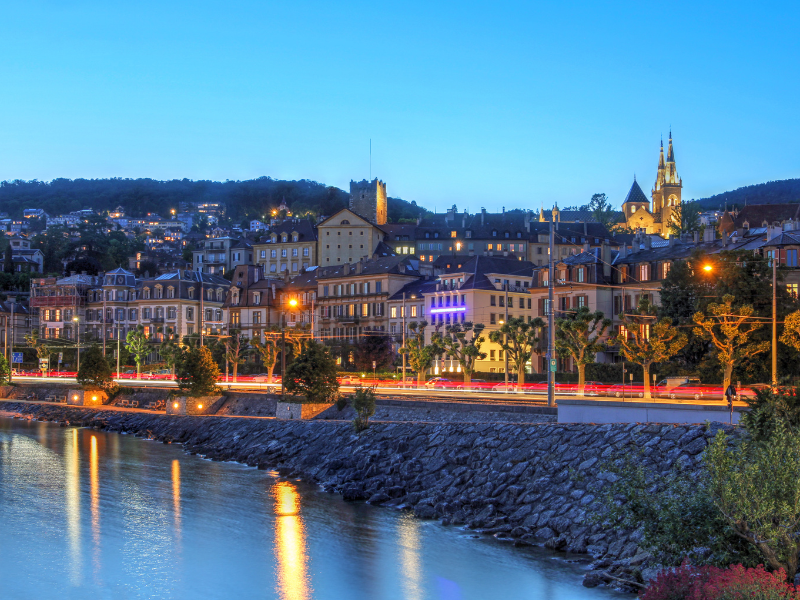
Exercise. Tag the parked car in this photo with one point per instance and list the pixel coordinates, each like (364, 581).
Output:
(438, 382)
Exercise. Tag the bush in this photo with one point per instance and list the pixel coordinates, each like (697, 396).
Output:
(95, 372)
(363, 401)
(713, 583)
(197, 373)
(312, 374)
(341, 403)
(5, 372)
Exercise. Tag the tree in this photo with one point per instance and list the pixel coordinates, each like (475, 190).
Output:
(602, 212)
(137, 344)
(95, 371)
(363, 402)
(298, 336)
(8, 261)
(169, 349)
(371, 348)
(312, 374)
(729, 330)
(685, 218)
(578, 334)
(518, 339)
(5, 371)
(32, 339)
(756, 486)
(197, 373)
(420, 356)
(791, 330)
(268, 350)
(465, 348)
(235, 351)
(646, 340)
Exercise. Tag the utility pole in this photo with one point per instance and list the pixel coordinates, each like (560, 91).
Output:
(283, 356)
(404, 339)
(775, 319)
(118, 349)
(202, 308)
(505, 335)
(103, 321)
(551, 334)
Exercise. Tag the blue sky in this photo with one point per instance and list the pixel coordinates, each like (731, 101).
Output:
(475, 103)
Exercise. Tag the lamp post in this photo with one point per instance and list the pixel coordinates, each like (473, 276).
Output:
(77, 340)
(292, 304)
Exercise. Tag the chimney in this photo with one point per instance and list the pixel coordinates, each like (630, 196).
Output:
(347, 268)
(672, 241)
(359, 267)
(709, 235)
(648, 242)
(724, 239)
(605, 256)
(623, 251)
(585, 229)
(528, 221)
(464, 219)
(586, 246)
(696, 238)
(483, 214)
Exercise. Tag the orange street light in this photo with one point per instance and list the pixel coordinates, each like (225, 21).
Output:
(292, 302)
(707, 268)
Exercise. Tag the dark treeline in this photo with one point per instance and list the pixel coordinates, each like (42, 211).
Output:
(244, 200)
(772, 192)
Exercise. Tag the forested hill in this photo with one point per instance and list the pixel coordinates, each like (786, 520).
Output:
(244, 200)
(771, 192)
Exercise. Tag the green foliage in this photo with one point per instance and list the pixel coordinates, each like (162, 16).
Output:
(236, 349)
(602, 211)
(5, 371)
(8, 262)
(197, 373)
(463, 341)
(685, 218)
(755, 485)
(268, 350)
(769, 409)
(32, 339)
(312, 374)
(676, 514)
(363, 402)
(578, 334)
(170, 350)
(137, 344)
(518, 338)
(95, 372)
(376, 348)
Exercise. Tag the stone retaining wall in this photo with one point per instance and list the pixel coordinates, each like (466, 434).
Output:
(534, 484)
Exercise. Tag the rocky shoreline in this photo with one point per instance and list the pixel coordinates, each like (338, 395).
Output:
(533, 484)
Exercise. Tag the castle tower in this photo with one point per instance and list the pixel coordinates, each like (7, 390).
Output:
(368, 199)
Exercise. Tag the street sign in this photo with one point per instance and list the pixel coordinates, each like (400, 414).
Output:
(553, 365)
(16, 357)
(60, 356)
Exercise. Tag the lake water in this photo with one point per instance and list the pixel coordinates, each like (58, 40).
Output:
(86, 514)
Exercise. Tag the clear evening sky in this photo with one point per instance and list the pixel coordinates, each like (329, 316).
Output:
(478, 104)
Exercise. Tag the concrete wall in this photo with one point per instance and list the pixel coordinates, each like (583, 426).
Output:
(603, 411)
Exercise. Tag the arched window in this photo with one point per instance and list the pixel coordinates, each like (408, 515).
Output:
(170, 292)
(284, 238)
(146, 293)
(191, 293)
(295, 237)
(219, 295)
(345, 222)
(158, 292)
(209, 294)
(494, 232)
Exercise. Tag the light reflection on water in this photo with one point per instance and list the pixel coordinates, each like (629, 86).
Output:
(87, 514)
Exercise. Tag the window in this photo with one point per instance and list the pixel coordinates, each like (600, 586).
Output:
(170, 292)
(273, 254)
(283, 253)
(378, 285)
(394, 312)
(665, 267)
(294, 252)
(580, 301)
(492, 300)
(305, 251)
(172, 312)
(146, 293)
(792, 289)
(414, 309)
(581, 277)
(189, 314)
(503, 301)
(453, 234)
(365, 309)
(644, 272)
(791, 258)
(491, 354)
(263, 254)
(492, 319)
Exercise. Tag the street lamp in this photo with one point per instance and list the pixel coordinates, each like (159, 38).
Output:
(707, 268)
(78, 340)
(292, 305)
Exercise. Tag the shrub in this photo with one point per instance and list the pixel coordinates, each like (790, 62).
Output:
(5, 372)
(312, 374)
(363, 401)
(197, 373)
(95, 372)
(713, 583)
(341, 403)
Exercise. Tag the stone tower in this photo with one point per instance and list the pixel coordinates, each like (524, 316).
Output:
(667, 190)
(368, 199)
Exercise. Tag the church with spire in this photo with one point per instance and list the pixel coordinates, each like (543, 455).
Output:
(665, 197)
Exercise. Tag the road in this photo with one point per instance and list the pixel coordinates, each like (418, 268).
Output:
(439, 394)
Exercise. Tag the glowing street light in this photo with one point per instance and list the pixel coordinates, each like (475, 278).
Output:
(707, 268)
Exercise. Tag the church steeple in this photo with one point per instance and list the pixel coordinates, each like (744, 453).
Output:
(670, 152)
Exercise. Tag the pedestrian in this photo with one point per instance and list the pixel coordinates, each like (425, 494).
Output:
(730, 394)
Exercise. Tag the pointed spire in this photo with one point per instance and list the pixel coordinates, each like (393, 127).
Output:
(661, 155)
(670, 152)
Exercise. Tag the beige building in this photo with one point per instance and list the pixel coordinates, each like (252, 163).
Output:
(217, 256)
(291, 246)
(348, 238)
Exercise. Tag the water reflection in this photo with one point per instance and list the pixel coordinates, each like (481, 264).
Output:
(410, 561)
(176, 497)
(94, 480)
(290, 544)
(73, 506)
